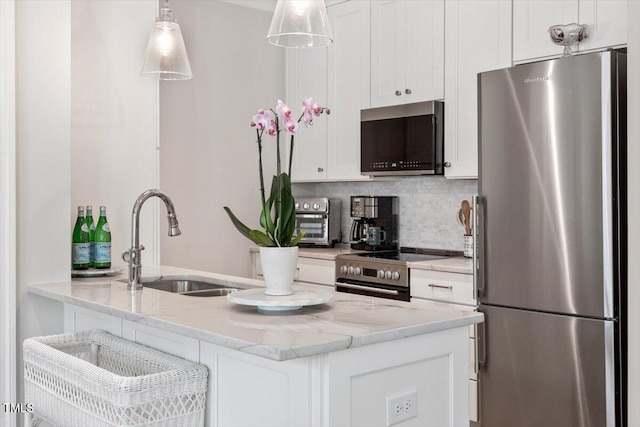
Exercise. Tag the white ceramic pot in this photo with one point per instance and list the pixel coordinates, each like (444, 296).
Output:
(279, 269)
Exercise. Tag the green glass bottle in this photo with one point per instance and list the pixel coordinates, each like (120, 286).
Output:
(102, 236)
(80, 243)
(92, 228)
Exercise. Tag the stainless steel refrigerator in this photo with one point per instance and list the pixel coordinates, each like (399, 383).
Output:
(551, 261)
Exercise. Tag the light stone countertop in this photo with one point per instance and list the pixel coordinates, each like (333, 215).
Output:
(319, 253)
(346, 321)
(453, 265)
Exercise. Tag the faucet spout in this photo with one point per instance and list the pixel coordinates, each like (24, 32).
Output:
(133, 256)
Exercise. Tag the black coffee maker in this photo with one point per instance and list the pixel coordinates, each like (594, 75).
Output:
(374, 211)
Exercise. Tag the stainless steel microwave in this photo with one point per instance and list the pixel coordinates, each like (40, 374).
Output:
(405, 140)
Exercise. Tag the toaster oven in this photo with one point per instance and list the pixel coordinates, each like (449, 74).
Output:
(319, 218)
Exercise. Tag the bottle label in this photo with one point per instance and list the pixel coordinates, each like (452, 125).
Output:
(103, 252)
(84, 227)
(106, 228)
(92, 251)
(80, 253)
(93, 226)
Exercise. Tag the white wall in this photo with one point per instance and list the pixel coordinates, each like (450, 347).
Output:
(633, 163)
(114, 125)
(43, 160)
(208, 154)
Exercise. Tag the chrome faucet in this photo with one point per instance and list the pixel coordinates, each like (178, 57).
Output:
(134, 256)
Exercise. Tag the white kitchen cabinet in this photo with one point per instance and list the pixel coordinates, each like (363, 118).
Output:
(306, 76)
(338, 78)
(454, 288)
(477, 39)
(606, 21)
(407, 51)
(78, 319)
(179, 345)
(442, 286)
(348, 87)
(310, 270)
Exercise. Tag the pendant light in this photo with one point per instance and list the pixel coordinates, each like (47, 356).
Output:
(301, 24)
(166, 56)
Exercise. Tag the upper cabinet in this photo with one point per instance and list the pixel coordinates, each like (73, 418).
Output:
(606, 21)
(306, 71)
(407, 51)
(477, 39)
(348, 85)
(338, 78)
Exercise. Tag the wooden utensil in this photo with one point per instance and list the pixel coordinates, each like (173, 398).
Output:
(466, 215)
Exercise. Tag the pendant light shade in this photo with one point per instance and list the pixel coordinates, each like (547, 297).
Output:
(301, 24)
(166, 56)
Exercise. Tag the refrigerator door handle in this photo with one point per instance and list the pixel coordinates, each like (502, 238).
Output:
(481, 347)
(478, 285)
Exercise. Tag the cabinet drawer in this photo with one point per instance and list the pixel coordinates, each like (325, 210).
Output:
(322, 272)
(309, 270)
(442, 286)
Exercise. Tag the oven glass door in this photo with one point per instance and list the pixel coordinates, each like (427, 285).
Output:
(315, 227)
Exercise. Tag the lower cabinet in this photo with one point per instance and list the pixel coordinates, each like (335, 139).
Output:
(453, 288)
(363, 385)
(310, 270)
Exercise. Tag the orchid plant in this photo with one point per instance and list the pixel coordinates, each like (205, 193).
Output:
(277, 218)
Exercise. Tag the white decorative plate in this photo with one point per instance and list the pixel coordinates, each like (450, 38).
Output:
(277, 304)
(96, 272)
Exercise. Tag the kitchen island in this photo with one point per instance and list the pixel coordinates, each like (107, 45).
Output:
(351, 361)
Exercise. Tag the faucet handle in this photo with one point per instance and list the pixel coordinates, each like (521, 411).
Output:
(126, 255)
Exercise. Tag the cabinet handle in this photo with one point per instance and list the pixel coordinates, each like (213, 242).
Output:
(431, 285)
(447, 164)
(398, 93)
(407, 91)
(320, 169)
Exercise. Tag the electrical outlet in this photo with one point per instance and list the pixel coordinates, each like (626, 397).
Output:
(402, 406)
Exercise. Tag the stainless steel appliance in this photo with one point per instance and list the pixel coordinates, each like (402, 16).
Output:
(374, 211)
(381, 274)
(406, 140)
(320, 219)
(551, 274)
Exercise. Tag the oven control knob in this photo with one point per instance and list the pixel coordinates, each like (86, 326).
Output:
(380, 274)
(306, 206)
(344, 269)
(387, 275)
(396, 275)
(351, 270)
(358, 271)
(297, 205)
(316, 206)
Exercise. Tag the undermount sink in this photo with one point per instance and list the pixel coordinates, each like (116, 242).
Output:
(194, 288)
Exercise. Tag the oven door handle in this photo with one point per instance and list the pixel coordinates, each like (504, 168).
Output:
(368, 288)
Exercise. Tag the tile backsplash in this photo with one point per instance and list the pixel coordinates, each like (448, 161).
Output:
(427, 206)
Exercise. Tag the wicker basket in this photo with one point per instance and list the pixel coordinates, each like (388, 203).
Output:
(93, 378)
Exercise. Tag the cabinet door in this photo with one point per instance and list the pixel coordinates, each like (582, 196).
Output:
(78, 319)
(307, 76)
(607, 22)
(424, 23)
(477, 40)
(388, 52)
(179, 345)
(531, 22)
(349, 87)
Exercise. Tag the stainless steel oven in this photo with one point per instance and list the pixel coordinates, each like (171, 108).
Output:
(319, 218)
(383, 274)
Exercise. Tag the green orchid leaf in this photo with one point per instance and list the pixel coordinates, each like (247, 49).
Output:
(260, 238)
(297, 239)
(243, 229)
